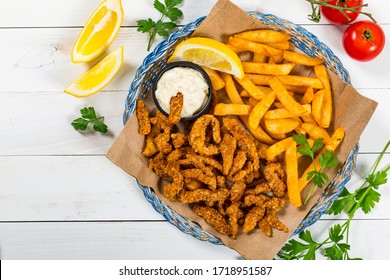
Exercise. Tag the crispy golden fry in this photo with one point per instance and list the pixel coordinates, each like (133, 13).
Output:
(250, 87)
(253, 218)
(245, 45)
(173, 170)
(237, 191)
(216, 81)
(214, 218)
(294, 193)
(281, 125)
(258, 57)
(258, 133)
(279, 136)
(283, 113)
(143, 117)
(266, 90)
(296, 89)
(267, 69)
(301, 81)
(260, 109)
(326, 112)
(316, 132)
(197, 137)
(261, 80)
(316, 104)
(334, 142)
(308, 118)
(231, 89)
(299, 129)
(176, 104)
(223, 109)
(285, 98)
(308, 96)
(300, 58)
(227, 148)
(276, 177)
(264, 36)
(278, 148)
(285, 45)
(276, 59)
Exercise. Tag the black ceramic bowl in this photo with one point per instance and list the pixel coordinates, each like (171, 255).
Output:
(206, 105)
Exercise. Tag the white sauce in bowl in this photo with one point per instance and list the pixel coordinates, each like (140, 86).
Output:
(189, 82)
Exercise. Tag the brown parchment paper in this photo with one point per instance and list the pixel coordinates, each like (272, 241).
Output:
(351, 110)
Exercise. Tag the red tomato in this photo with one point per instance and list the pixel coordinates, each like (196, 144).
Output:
(335, 16)
(364, 40)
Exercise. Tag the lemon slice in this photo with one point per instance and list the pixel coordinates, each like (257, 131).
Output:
(210, 53)
(98, 76)
(99, 32)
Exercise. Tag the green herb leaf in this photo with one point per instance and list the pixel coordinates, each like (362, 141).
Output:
(335, 234)
(368, 197)
(80, 124)
(344, 201)
(327, 160)
(174, 13)
(100, 127)
(88, 115)
(172, 3)
(377, 179)
(159, 6)
(145, 25)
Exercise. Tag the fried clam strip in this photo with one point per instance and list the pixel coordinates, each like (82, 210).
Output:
(163, 138)
(238, 163)
(214, 218)
(203, 195)
(222, 182)
(192, 184)
(158, 164)
(173, 170)
(143, 117)
(197, 137)
(150, 148)
(203, 161)
(197, 174)
(252, 218)
(176, 104)
(270, 220)
(197, 162)
(235, 213)
(260, 188)
(227, 148)
(179, 153)
(237, 191)
(276, 177)
(179, 140)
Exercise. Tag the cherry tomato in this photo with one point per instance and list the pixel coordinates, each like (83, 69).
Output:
(363, 40)
(337, 17)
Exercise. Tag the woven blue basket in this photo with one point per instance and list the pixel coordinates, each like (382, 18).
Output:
(303, 40)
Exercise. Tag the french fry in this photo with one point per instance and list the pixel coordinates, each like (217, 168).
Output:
(316, 132)
(245, 45)
(308, 118)
(264, 36)
(260, 58)
(231, 89)
(302, 59)
(316, 105)
(267, 90)
(326, 112)
(261, 80)
(299, 129)
(276, 59)
(283, 113)
(259, 110)
(268, 69)
(216, 80)
(279, 105)
(279, 147)
(294, 193)
(251, 88)
(281, 125)
(258, 133)
(285, 98)
(296, 89)
(222, 109)
(308, 96)
(285, 45)
(335, 141)
(301, 81)
(235, 49)
(279, 136)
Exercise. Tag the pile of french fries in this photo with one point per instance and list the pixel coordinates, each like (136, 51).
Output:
(273, 104)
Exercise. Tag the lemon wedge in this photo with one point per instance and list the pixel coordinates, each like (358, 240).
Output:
(98, 76)
(211, 53)
(99, 32)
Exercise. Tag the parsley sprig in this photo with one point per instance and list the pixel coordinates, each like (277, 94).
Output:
(336, 246)
(161, 27)
(326, 160)
(88, 115)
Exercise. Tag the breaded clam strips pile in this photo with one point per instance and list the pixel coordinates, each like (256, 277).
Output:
(217, 168)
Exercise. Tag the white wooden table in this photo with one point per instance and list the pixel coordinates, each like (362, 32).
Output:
(60, 198)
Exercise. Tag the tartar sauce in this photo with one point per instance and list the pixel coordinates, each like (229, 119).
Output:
(189, 82)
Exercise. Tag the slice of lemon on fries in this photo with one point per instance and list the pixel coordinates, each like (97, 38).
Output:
(99, 32)
(98, 76)
(210, 53)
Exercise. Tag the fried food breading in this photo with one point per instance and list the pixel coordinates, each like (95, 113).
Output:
(192, 184)
(214, 218)
(172, 170)
(203, 195)
(143, 117)
(238, 163)
(199, 175)
(179, 140)
(237, 191)
(197, 136)
(234, 212)
(227, 148)
(276, 177)
(253, 218)
(176, 105)
(269, 221)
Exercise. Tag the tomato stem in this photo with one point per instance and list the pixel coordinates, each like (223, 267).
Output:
(367, 35)
(316, 16)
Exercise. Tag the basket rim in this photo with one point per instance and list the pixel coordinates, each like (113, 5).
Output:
(182, 223)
